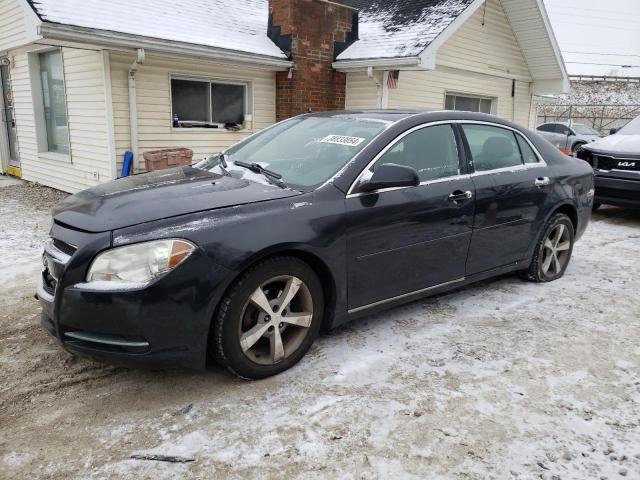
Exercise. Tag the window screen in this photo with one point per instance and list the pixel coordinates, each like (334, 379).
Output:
(432, 151)
(468, 104)
(227, 102)
(207, 103)
(492, 147)
(527, 153)
(190, 100)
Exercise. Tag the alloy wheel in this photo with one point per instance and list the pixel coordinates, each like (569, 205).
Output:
(556, 251)
(276, 319)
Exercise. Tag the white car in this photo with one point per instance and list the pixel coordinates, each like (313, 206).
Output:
(616, 163)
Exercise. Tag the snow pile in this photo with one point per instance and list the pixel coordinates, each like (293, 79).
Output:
(401, 29)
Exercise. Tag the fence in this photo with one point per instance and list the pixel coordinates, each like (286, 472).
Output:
(601, 117)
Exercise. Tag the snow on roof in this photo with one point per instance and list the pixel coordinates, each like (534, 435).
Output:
(239, 26)
(400, 28)
(585, 92)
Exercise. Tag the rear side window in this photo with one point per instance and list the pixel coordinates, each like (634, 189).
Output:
(527, 153)
(492, 147)
(546, 128)
(431, 151)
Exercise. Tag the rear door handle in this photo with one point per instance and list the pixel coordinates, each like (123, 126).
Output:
(460, 196)
(542, 181)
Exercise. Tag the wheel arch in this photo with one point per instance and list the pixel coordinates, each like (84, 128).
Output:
(569, 210)
(317, 264)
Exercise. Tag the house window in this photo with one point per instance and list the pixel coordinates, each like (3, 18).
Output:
(208, 103)
(54, 101)
(468, 103)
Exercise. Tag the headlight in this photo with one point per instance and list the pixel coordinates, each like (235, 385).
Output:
(139, 264)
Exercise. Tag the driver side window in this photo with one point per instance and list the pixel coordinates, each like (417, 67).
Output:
(431, 151)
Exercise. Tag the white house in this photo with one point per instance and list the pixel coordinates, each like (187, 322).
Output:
(84, 81)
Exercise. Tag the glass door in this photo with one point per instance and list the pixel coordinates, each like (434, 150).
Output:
(7, 119)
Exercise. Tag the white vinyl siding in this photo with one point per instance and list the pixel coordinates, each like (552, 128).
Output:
(490, 48)
(477, 61)
(17, 24)
(88, 162)
(362, 91)
(154, 104)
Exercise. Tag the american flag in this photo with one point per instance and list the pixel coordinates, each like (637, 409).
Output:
(392, 79)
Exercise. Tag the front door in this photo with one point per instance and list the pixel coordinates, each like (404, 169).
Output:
(511, 186)
(401, 241)
(8, 136)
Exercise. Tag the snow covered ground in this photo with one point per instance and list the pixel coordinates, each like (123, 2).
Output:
(505, 379)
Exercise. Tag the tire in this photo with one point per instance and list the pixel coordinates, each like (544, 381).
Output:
(244, 335)
(576, 148)
(546, 269)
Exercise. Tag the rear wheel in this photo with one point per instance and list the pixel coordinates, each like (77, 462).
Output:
(553, 252)
(269, 319)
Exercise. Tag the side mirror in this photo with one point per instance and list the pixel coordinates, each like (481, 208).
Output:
(391, 175)
(613, 131)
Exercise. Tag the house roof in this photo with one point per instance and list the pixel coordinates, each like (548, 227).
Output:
(400, 28)
(238, 26)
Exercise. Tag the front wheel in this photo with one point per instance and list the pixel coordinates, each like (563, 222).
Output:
(269, 319)
(553, 252)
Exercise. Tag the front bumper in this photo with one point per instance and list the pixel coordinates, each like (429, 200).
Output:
(165, 325)
(618, 189)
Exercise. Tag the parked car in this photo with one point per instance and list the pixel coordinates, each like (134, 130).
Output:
(568, 136)
(308, 224)
(616, 164)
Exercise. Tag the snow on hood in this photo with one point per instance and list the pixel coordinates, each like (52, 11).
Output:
(627, 144)
(390, 29)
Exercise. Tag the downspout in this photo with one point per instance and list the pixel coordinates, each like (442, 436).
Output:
(133, 105)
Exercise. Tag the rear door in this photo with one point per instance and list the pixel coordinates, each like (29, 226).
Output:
(404, 240)
(512, 183)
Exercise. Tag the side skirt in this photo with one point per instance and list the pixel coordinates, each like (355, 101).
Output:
(427, 292)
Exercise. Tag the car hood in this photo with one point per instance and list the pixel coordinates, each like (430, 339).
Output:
(152, 196)
(626, 144)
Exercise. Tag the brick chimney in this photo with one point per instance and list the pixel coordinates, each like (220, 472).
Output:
(313, 32)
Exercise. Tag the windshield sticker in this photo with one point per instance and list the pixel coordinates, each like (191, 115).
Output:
(343, 140)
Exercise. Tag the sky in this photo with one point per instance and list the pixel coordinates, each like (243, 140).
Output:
(598, 37)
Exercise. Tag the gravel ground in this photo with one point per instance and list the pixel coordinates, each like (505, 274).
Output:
(505, 379)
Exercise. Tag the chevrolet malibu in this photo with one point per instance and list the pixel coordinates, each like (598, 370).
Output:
(248, 255)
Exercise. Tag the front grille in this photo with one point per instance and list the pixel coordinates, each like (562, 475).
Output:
(612, 163)
(64, 247)
(48, 282)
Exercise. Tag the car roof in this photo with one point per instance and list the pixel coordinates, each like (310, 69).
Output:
(423, 116)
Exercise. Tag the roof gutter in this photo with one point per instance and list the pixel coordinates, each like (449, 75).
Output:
(109, 39)
(378, 63)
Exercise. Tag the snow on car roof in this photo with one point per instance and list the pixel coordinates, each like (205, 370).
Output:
(238, 26)
(400, 28)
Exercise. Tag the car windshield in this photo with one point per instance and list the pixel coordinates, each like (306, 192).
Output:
(631, 128)
(581, 129)
(304, 151)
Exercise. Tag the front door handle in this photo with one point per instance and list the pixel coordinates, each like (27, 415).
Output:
(542, 182)
(460, 196)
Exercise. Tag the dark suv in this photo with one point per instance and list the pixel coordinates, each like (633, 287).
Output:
(616, 164)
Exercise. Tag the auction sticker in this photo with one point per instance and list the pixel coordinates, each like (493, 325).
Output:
(343, 140)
